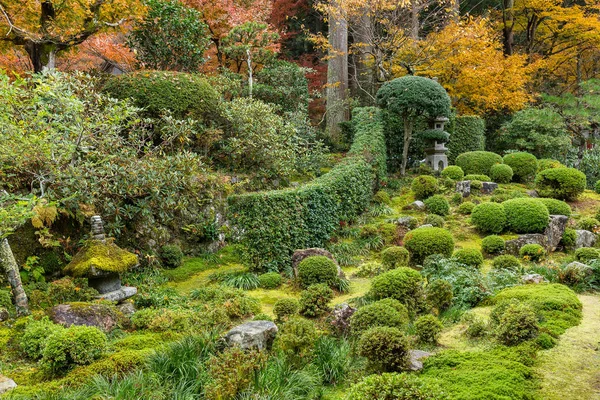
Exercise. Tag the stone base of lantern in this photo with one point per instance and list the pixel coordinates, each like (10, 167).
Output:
(437, 161)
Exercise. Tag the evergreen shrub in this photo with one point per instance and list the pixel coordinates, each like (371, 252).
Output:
(524, 165)
(424, 186)
(492, 244)
(317, 269)
(477, 162)
(470, 257)
(501, 173)
(526, 215)
(438, 205)
(453, 172)
(560, 183)
(423, 242)
(489, 217)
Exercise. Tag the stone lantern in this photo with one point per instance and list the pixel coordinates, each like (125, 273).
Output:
(436, 137)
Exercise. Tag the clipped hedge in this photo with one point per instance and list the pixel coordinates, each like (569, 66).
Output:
(556, 207)
(524, 165)
(478, 162)
(423, 242)
(453, 172)
(468, 134)
(526, 215)
(501, 173)
(489, 217)
(275, 223)
(560, 183)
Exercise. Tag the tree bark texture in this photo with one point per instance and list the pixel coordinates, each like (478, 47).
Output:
(11, 269)
(337, 76)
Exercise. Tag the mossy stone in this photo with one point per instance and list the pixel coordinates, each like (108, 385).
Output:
(97, 256)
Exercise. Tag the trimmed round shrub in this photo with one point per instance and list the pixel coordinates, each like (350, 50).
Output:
(381, 197)
(403, 284)
(524, 165)
(317, 269)
(547, 163)
(386, 312)
(466, 208)
(394, 257)
(428, 329)
(477, 162)
(478, 178)
(489, 217)
(284, 308)
(76, 345)
(493, 244)
(569, 238)
(434, 220)
(171, 256)
(586, 254)
(517, 322)
(439, 294)
(507, 262)
(370, 269)
(560, 183)
(501, 173)
(588, 224)
(34, 338)
(271, 280)
(597, 187)
(556, 207)
(424, 186)
(526, 215)
(533, 252)
(386, 348)
(453, 172)
(394, 386)
(437, 205)
(314, 301)
(296, 337)
(423, 242)
(545, 341)
(470, 257)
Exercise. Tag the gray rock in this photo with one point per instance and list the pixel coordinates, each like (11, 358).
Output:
(584, 239)
(533, 193)
(101, 316)
(532, 279)
(121, 294)
(488, 187)
(426, 226)
(417, 205)
(3, 314)
(6, 384)
(576, 272)
(300, 255)
(415, 360)
(341, 317)
(105, 282)
(513, 246)
(555, 230)
(127, 308)
(464, 187)
(252, 335)
(408, 222)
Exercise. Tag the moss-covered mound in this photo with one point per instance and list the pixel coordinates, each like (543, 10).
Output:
(100, 256)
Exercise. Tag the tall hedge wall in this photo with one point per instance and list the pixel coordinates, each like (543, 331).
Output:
(275, 223)
(467, 133)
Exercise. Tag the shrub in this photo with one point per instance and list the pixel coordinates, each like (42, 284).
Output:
(501, 173)
(597, 187)
(370, 269)
(434, 220)
(586, 254)
(394, 386)
(524, 165)
(467, 133)
(6, 298)
(403, 284)
(533, 252)
(588, 224)
(478, 162)
(577, 274)
(476, 326)
(67, 290)
(545, 341)
(317, 269)
(492, 244)
(507, 262)
(394, 257)
(381, 197)
(77, 345)
(34, 338)
(439, 294)
(437, 205)
(424, 186)
(556, 207)
(284, 308)
(171, 256)
(489, 217)
(296, 337)
(517, 322)
(386, 348)
(569, 238)
(477, 178)
(466, 208)
(453, 172)
(314, 301)
(386, 312)
(547, 163)
(470, 257)
(284, 84)
(428, 329)
(560, 183)
(526, 215)
(270, 280)
(423, 242)
(231, 372)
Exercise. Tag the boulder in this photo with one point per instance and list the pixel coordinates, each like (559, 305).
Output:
(426, 226)
(341, 317)
(488, 187)
(513, 246)
(407, 222)
(415, 359)
(252, 335)
(101, 316)
(576, 272)
(532, 279)
(584, 239)
(464, 188)
(417, 205)
(554, 231)
(533, 193)
(3, 314)
(127, 309)
(6, 384)
(300, 255)
(123, 293)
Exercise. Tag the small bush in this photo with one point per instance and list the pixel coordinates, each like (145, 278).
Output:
(387, 349)
(382, 197)
(317, 269)
(5, 299)
(478, 162)
(428, 329)
(314, 301)
(476, 327)
(394, 386)
(597, 187)
(77, 345)
(524, 165)
(470, 257)
(284, 308)
(423, 242)
(569, 238)
(424, 186)
(545, 341)
(370, 269)
(466, 208)
(489, 217)
(437, 205)
(171, 256)
(560, 183)
(439, 294)
(506, 262)
(453, 172)
(478, 178)
(533, 252)
(588, 224)
(547, 163)
(576, 274)
(296, 337)
(556, 207)
(231, 371)
(517, 322)
(501, 173)
(34, 338)
(394, 257)
(586, 254)
(403, 284)
(270, 280)
(386, 312)
(526, 215)
(434, 220)
(493, 244)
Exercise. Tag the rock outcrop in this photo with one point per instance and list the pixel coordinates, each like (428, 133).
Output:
(584, 239)
(252, 335)
(101, 316)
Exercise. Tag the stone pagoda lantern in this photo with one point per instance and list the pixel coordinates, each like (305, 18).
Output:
(102, 262)
(435, 138)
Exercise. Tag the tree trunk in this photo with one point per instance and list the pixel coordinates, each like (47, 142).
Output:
(250, 76)
(508, 22)
(415, 9)
(42, 55)
(408, 126)
(8, 262)
(364, 70)
(337, 76)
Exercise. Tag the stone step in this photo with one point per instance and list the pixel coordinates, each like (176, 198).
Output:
(121, 294)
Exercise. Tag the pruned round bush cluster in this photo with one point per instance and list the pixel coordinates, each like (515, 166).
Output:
(532, 252)
(434, 220)
(284, 308)
(171, 256)
(76, 345)
(423, 242)
(453, 172)
(386, 348)
(507, 262)
(439, 294)
(34, 338)
(588, 224)
(424, 186)
(386, 312)
(470, 257)
(270, 280)
(381, 197)
(586, 254)
(477, 162)
(516, 322)
(524, 165)
(477, 178)
(526, 215)
(438, 205)
(556, 207)
(394, 257)
(394, 386)
(501, 173)
(466, 208)
(314, 301)
(547, 163)
(317, 269)
(489, 217)
(493, 244)
(403, 284)
(560, 183)
(370, 269)
(428, 329)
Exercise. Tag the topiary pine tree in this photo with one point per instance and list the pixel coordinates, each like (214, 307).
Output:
(411, 97)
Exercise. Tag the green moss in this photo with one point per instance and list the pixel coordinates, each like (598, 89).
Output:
(100, 256)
